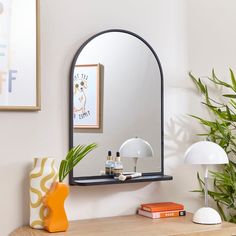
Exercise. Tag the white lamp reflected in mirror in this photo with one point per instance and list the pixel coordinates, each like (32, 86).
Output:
(136, 148)
(206, 153)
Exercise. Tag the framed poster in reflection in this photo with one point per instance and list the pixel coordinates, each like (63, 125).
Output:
(86, 96)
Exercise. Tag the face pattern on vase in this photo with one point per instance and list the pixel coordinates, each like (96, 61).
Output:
(41, 177)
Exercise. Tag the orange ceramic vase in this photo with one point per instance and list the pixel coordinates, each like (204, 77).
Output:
(56, 219)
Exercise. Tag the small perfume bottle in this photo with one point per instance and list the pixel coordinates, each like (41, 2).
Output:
(112, 165)
(118, 167)
(109, 164)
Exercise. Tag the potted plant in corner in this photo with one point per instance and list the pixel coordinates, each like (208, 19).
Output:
(56, 219)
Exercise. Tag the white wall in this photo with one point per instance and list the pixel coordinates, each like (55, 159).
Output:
(186, 34)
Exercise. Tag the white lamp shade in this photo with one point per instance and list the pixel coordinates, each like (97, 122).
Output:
(136, 148)
(206, 152)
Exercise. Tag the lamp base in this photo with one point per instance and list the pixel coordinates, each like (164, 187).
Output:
(207, 216)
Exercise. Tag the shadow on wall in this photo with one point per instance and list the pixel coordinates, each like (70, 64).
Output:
(180, 133)
(25, 197)
(20, 174)
(109, 200)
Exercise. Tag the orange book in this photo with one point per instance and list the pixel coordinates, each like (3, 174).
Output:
(162, 206)
(163, 214)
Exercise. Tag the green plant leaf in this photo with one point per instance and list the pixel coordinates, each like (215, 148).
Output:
(62, 170)
(217, 81)
(210, 105)
(198, 83)
(73, 157)
(230, 95)
(197, 191)
(205, 122)
(233, 79)
(233, 103)
(201, 86)
(221, 211)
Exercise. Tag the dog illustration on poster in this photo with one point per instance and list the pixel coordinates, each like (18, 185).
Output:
(80, 96)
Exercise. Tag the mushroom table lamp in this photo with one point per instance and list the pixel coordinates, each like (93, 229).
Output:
(136, 148)
(206, 153)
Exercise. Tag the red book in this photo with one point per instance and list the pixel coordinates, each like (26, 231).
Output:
(163, 214)
(162, 206)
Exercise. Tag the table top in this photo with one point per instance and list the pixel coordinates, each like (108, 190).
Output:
(135, 225)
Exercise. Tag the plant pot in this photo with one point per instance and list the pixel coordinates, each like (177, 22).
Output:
(42, 176)
(56, 219)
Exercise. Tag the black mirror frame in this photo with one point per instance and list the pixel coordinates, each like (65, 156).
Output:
(147, 177)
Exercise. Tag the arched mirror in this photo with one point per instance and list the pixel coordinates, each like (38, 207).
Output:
(116, 94)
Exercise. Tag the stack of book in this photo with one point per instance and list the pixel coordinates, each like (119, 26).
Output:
(161, 210)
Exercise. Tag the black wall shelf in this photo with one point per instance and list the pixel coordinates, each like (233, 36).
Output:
(105, 180)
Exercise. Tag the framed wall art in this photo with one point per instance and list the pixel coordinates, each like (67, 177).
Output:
(86, 96)
(19, 55)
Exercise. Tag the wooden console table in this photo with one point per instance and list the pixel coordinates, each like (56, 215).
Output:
(136, 226)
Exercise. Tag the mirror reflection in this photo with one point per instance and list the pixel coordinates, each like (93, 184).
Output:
(117, 96)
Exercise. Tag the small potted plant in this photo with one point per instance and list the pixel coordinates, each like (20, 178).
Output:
(56, 219)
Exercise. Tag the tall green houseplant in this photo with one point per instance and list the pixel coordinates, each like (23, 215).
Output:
(221, 130)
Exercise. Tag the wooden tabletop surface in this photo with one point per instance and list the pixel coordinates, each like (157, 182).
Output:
(135, 225)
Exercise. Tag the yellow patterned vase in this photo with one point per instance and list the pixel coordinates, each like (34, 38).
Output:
(42, 176)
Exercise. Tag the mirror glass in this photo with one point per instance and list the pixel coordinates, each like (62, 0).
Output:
(129, 102)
